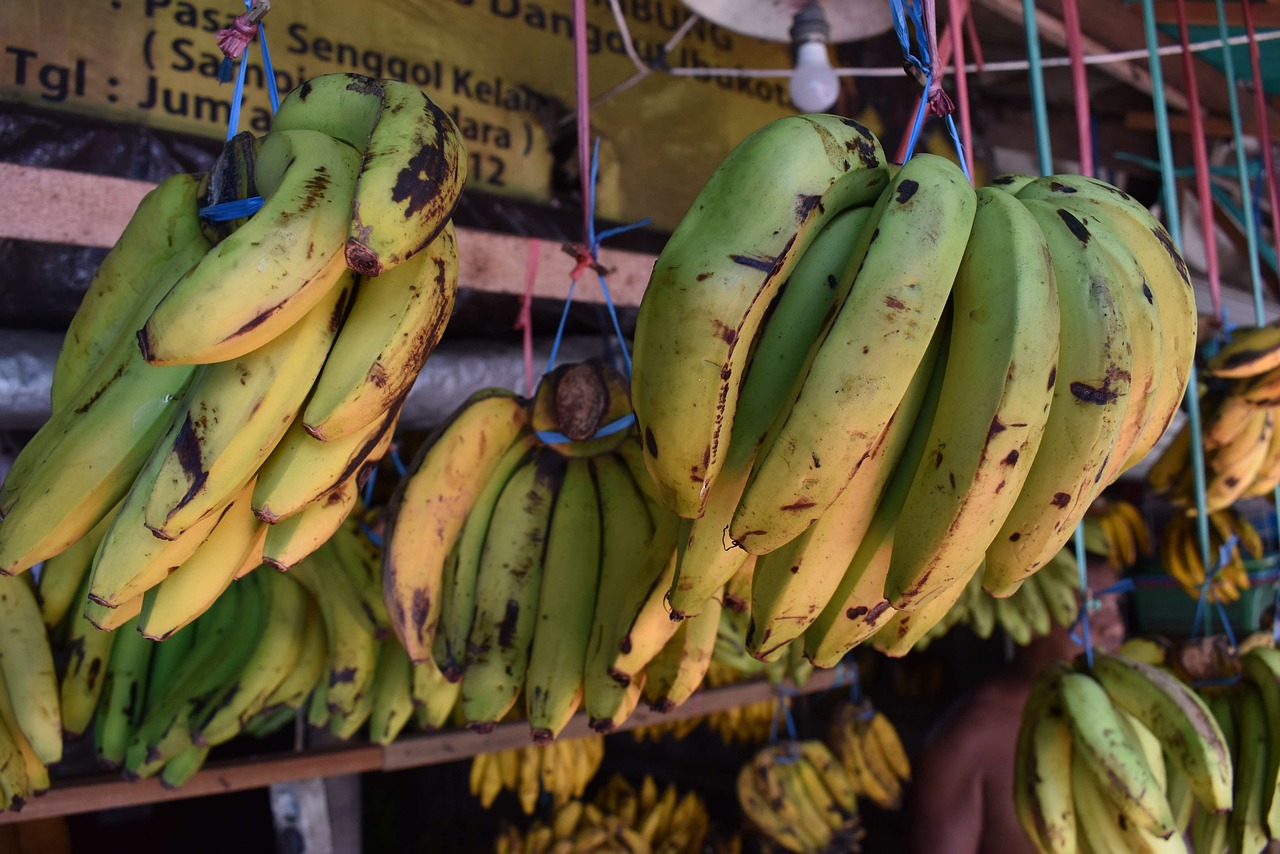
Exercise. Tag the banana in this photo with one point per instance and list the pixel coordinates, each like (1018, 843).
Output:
(857, 609)
(236, 412)
(1037, 735)
(1168, 468)
(1030, 603)
(63, 575)
(458, 594)
(179, 770)
(131, 559)
(981, 613)
(26, 665)
(508, 583)
(761, 812)
(394, 324)
(1254, 785)
(15, 785)
(1053, 804)
(36, 770)
(1111, 759)
(411, 177)
(270, 273)
(431, 504)
(165, 221)
(344, 106)
(578, 400)
(715, 278)
(308, 669)
(1229, 483)
(1267, 478)
(793, 585)
(1255, 431)
(1250, 353)
(121, 705)
(278, 649)
(290, 540)
(668, 683)
(302, 469)
(626, 536)
(1059, 593)
(1261, 668)
(905, 628)
(1103, 825)
(353, 649)
(994, 403)
(557, 656)
(1090, 394)
(392, 694)
(1167, 279)
(778, 364)
(192, 586)
(869, 352)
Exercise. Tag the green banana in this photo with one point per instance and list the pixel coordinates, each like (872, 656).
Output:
(165, 221)
(508, 584)
(994, 402)
(392, 694)
(804, 305)
(557, 656)
(716, 277)
(1090, 394)
(870, 354)
(62, 576)
(344, 106)
(122, 703)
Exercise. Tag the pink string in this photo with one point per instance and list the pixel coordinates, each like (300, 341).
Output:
(941, 56)
(524, 321)
(1200, 153)
(974, 44)
(234, 40)
(584, 112)
(1080, 83)
(1264, 126)
(962, 79)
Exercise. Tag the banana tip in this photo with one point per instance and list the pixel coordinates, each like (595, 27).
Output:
(481, 727)
(543, 736)
(362, 259)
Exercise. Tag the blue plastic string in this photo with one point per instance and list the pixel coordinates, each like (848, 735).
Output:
(373, 536)
(368, 487)
(1082, 571)
(782, 713)
(924, 63)
(234, 209)
(1275, 618)
(401, 468)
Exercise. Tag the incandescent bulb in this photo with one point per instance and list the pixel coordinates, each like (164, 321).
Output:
(814, 86)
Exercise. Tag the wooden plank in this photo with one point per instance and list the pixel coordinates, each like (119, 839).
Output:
(57, 206)
(216, 778)
(104, 792)
(1205, 14)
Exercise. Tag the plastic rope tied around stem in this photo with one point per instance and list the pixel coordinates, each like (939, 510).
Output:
(921, 67)
(782, 714)
(234, 43)
(588, 258)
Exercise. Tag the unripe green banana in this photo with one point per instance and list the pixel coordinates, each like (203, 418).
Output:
(122, 703)
(867, 359)
(716, 277)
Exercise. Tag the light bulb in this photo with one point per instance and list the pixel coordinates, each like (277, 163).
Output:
(814, 87)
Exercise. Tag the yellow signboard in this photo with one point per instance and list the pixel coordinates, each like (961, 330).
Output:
(504, 70)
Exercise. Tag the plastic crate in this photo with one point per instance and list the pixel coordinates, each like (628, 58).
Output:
(1170, 611)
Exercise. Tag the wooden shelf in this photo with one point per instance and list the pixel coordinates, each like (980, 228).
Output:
(103, 792)
(58, 206)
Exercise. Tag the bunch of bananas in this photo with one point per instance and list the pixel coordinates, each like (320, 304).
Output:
(313, 640)
(528, 555)
(800, 423)
(1115, 758)
(868, 746)
(1115, 529)
(1050, 596)
(799, 797)
(224, 388)
(1180, 553)
(621, 820)
(1239, 413)
(562, 769)
(1249, 715)
(30, 712)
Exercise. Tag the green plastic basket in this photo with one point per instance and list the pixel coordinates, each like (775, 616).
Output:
(1170, 611)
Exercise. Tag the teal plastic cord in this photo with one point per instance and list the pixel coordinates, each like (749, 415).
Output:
(1173, 219)
(1036, 75)
(1242, 166)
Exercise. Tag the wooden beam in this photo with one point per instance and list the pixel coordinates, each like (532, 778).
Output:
(102, 792)
(1052, 28)
(1266, 16)
(58, 206)
(1213, 127)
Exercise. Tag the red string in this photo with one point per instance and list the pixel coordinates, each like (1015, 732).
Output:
(584, 112)
(235, 39)
(1080, 83)
(974, 44)
(962, 80)
(524, 321)
(941, 56)
(1264, 126)
(1201, 155)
